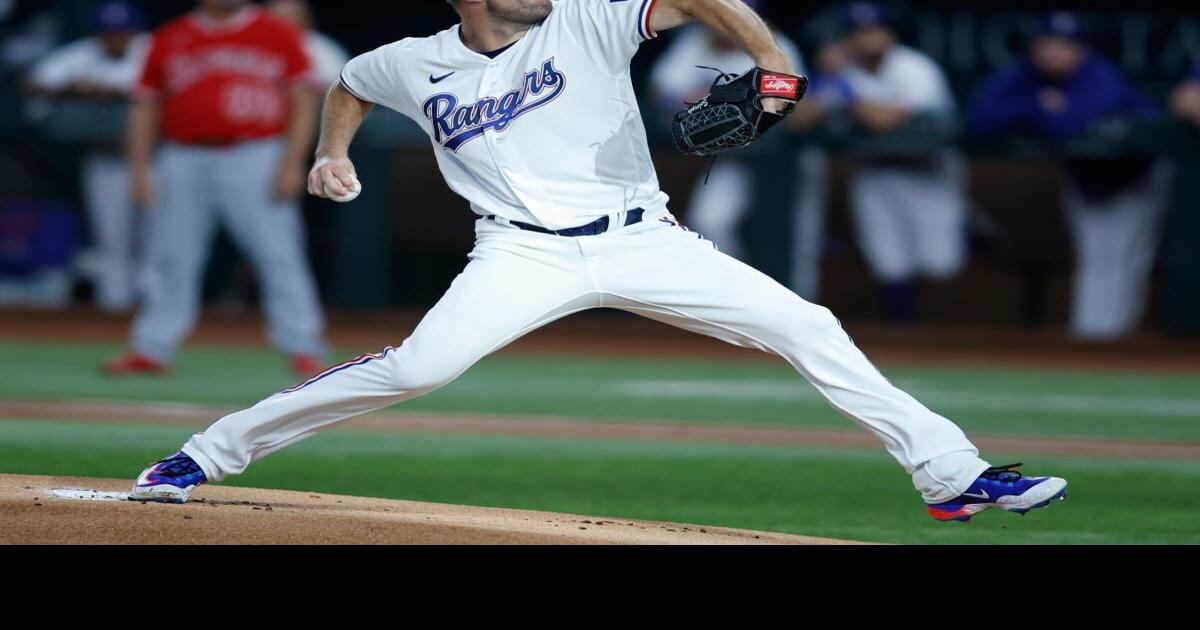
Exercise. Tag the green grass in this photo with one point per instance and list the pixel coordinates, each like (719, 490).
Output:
(1000, 401)
(857, 495)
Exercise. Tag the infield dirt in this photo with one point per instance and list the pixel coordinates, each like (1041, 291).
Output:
(72, 510)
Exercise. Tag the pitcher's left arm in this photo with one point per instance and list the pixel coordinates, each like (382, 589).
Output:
(731, 18)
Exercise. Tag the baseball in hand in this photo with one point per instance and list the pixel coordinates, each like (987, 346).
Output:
(349, 196)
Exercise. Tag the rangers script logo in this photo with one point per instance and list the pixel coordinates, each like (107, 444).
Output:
(455, 125)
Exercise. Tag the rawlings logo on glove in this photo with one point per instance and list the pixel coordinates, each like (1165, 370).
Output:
(780, 85)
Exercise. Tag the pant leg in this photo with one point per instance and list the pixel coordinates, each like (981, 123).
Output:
(270, 233)
(720, 206)
(935, 207)
(111, 211)
(883, 235)
(808, 223)
(180, 233)
(516, 282)
(1115, 243)
(694, 287)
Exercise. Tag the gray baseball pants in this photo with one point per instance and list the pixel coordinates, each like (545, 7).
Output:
(197, 189)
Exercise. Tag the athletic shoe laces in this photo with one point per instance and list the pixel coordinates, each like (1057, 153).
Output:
(1007, 473)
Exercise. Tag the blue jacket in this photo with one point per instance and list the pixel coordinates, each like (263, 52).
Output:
(1009, 101)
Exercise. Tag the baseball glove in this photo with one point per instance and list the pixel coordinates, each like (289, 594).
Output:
(731, 116)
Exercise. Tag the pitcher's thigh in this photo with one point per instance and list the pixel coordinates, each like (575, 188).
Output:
(697, 288)
(499, 297)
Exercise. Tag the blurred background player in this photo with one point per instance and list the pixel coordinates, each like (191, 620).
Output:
(1113, 206)
(229, 88)
(327, 56)
(909, 212)
(722, 199)
(827, 91)
(103, 68)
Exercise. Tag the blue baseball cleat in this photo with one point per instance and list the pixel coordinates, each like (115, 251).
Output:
(168, 480)
(1002, 487)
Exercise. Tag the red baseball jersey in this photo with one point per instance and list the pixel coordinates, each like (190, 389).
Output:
(224, 82)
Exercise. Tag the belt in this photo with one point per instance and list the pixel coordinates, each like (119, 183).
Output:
(599, 226)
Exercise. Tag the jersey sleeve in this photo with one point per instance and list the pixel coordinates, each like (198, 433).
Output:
(152, 80)
(924, 88)
(1004, 104)
(295, 54)
(60, 68)
(611, 31)
(378, 77)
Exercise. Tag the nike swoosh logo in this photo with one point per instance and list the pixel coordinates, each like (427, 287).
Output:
(441, 78)
(982, 495)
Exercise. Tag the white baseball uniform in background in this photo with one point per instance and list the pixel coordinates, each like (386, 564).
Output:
(328, 57)
(106, 182)
(549, 133)
(1116, 240)
(722, 199)
(909, 219)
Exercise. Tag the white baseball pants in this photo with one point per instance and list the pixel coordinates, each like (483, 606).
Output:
(721, 205)
(911, 222)
(116, 233)
(518, 280)
(1116, 240)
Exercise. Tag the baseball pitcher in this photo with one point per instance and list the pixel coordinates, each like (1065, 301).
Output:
(534, 120)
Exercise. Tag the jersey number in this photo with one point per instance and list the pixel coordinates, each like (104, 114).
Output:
(244, 103)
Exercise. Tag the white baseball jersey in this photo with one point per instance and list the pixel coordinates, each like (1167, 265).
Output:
(548, 132)
(86, 59)
(328, 57)
(907, 78)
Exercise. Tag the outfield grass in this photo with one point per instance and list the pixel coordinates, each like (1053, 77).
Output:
(1000, 401)
(855, 494)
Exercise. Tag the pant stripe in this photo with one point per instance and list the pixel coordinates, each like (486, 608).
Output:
(361, 359)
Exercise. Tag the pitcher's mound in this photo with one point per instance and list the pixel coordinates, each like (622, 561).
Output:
(64, 510)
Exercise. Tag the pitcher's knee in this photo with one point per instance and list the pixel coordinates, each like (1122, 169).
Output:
(810, 320)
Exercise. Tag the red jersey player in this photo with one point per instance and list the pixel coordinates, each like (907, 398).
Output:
(228, 89)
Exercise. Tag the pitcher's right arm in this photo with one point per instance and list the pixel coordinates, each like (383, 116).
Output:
(340, 119)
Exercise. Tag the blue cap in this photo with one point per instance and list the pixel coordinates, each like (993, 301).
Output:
(118, 16)
(865, 14)
(757, 5)
(1061, 24)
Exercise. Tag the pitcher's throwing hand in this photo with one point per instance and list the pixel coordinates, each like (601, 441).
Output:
(334, 179)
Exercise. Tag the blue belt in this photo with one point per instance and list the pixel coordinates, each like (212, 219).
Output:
(599, 226)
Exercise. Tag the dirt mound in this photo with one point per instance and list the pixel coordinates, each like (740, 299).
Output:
(67, 510)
